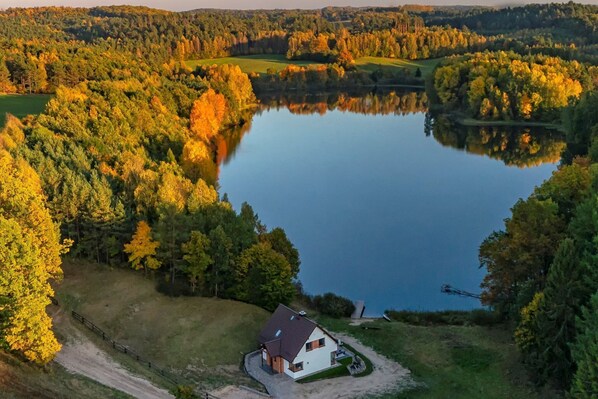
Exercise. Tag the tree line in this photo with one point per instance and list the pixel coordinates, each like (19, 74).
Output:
(507, 86)
(542, 270)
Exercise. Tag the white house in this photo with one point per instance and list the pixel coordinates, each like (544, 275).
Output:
(295, 345)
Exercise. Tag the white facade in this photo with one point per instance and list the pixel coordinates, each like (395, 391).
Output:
(316, 359)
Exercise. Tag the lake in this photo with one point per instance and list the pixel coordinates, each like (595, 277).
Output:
(383, 203)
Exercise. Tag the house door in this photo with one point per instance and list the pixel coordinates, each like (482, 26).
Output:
(332, 358)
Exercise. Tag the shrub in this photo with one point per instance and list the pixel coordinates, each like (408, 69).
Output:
(480, 317)
(333, 305)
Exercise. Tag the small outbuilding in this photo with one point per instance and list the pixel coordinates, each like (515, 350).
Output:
(295, 345)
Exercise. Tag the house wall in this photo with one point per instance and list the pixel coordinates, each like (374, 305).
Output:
(315, 360)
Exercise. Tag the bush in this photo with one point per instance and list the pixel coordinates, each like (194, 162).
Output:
(333, 305)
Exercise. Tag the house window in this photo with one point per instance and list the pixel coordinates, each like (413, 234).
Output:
(309, 346)
(296, 367)
(321, 342)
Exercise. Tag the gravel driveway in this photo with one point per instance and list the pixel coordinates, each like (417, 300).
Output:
(387, 376)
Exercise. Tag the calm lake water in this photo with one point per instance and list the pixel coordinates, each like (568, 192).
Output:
(381, 208)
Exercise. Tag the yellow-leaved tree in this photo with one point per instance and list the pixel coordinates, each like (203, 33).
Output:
(142, 249)
(30, 251)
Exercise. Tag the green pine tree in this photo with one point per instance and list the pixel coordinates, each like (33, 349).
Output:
(585, 353)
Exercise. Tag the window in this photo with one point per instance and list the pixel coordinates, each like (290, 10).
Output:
(309, 346)
(321, 342)
(296, 367)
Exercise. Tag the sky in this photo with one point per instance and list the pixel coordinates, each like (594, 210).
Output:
(181, 5)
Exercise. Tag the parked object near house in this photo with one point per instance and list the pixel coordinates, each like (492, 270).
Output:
(359, 309)
(295, 345)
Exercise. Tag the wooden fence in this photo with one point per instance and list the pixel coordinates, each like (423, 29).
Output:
(176, 380)
(126, 350)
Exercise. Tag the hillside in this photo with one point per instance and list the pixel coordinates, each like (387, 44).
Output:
(22, 380)
(201, 339)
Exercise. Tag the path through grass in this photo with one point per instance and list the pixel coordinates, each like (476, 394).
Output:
(201, 338)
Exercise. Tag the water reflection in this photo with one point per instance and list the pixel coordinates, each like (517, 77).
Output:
(515, 146)
(385, 103)
(378, 206)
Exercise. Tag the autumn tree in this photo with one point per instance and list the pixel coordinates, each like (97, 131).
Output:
(518, 258)
(6, 85)
(29, 259)
(207, 115)
(142, 249)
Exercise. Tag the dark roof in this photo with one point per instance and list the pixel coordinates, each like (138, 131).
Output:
(286, 332)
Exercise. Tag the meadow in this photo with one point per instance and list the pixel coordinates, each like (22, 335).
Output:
(261, 63)
(252, 63)
(21, 105)
(202, 339)
(448, 361)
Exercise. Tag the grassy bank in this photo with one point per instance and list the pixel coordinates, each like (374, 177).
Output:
(23, 380)
(477, 122)
(252, 63)
(261, 63)
(371, 64)
(449, 361)
(201, 339)
(21, 105)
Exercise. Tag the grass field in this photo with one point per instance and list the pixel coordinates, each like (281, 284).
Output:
(200, 338)
(449, 361)
(370, 64)
(252, 63)
(22, 380)
(261, 63)
(21, 105)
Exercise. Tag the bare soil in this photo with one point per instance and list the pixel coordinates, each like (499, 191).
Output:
(81, 356)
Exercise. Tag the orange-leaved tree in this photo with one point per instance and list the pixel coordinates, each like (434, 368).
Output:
(207, 115)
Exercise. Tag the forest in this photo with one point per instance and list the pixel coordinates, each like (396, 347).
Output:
(122, 166)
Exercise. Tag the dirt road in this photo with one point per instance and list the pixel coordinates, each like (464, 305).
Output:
(80, 355)
(387, 376)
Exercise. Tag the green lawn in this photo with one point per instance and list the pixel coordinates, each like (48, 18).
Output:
(252, 63)
(261, 63)
(370, 64)
(21, 105)
(202, 339)
(449, 361)
(338, 371)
